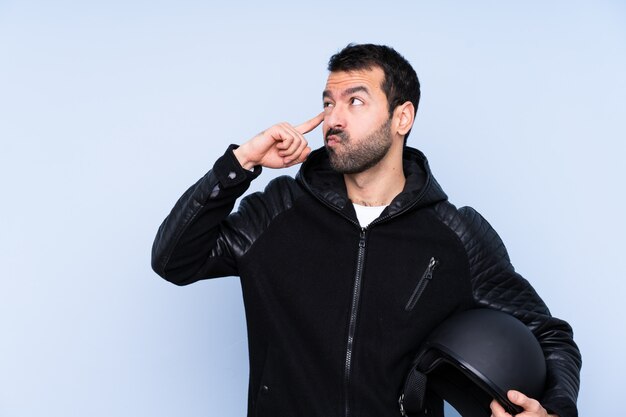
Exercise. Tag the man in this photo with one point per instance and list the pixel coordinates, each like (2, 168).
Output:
(348, 267)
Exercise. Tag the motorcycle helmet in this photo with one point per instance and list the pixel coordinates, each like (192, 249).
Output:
(472, 358)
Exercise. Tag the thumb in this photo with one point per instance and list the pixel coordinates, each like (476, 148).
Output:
(527, 403)
(517, 397)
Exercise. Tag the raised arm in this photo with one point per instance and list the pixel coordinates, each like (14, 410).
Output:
(193, 241)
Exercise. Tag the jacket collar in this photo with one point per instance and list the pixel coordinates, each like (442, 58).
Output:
(421, 188)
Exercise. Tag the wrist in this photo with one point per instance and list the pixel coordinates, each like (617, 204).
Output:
(243, 160)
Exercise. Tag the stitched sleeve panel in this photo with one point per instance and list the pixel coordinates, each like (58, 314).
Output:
(256, 211)
(498, 286)
(186, 236)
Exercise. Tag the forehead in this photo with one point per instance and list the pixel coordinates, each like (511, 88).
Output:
(339, 81)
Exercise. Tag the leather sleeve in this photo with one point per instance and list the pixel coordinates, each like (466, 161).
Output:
(498, 286)
(192, 243)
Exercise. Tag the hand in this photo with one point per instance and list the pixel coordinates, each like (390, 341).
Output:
(280, 146)
(531, 407)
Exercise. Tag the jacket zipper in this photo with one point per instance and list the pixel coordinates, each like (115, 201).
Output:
(422, 284)
(354, 309)
(356, 293)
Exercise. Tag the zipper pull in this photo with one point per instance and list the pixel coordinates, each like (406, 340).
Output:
(431, 267)
(362, 238)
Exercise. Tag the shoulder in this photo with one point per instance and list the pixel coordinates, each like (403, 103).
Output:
(473, 230)
(278, 196)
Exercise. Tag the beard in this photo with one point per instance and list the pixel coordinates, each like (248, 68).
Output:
(351, 157)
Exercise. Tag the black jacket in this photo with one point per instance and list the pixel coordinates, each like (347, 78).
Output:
(332, 323)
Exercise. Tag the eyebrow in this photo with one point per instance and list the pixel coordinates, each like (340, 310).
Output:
(348, 91)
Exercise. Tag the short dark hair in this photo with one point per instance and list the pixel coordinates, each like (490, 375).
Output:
(400, 83)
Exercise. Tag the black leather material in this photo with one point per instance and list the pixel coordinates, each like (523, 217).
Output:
(497, 286)
(187, 223)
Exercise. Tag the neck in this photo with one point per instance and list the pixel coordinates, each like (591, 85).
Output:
(379, 185)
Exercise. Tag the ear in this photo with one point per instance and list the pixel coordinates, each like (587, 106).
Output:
(403, 117)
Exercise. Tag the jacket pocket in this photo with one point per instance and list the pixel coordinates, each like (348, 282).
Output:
(264, 404)
(427, 276)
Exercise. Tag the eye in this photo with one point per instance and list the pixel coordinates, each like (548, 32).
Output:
(327, 104)
(356, 101)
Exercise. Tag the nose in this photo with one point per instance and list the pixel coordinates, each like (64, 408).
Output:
(334, 117)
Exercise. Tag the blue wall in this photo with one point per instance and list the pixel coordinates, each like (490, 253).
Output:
(109, 110)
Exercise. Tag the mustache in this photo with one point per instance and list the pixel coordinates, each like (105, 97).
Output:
(336, 132)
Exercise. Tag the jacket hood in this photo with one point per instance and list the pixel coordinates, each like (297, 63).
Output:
(421, 188)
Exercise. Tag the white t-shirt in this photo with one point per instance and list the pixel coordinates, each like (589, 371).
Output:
(367, 214)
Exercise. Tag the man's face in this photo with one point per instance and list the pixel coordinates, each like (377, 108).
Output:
(357, 126)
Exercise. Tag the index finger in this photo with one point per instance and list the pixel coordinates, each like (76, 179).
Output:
(309, 125)
(497, 410)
